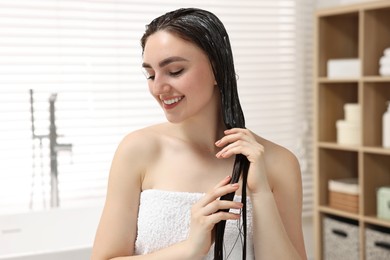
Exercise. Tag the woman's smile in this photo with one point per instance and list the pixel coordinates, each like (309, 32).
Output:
(169, 103)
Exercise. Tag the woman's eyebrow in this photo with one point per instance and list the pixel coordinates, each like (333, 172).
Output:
(165, 62)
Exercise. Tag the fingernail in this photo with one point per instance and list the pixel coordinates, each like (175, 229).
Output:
(235, 185)
(217, 142)
(227, 177)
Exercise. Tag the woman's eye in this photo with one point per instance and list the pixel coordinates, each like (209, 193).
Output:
(176, 73)
(148, 76)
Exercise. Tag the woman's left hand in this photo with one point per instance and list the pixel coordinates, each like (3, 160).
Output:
(243, 141)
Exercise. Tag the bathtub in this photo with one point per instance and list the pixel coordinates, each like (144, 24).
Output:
(53, 234)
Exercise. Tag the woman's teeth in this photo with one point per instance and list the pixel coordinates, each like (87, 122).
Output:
(173, 100)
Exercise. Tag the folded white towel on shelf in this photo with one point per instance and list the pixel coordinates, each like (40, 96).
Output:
(384, 61)
(386, 52)
(384, 70)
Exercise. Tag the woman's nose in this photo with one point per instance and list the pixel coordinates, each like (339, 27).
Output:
(160, 86)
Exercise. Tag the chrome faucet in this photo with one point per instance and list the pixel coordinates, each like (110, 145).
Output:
(54, 149)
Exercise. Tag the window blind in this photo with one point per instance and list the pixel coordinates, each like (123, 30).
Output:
(87, 53)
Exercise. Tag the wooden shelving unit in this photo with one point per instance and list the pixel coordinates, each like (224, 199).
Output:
(356, 31)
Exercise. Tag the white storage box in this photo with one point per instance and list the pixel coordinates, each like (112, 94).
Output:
(352, 112)
(343, 68)
(377, 244)
(348, 133)
(341, 239)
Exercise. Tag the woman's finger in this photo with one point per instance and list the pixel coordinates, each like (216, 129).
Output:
(222, 215)
(231, 138)
(222, 188)
(218, 205)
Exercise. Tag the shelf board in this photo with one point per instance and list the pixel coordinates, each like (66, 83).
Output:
(336, 146)
(376, 79)
(354, 80)
(376, 150)
(376, 221)
(354, 148)
(340, 213)
(340, 80)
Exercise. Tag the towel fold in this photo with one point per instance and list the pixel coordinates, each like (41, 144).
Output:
(384, 70)
(384, 61)
(386, 52)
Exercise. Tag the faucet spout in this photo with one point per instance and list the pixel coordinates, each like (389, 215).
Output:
(63, 147)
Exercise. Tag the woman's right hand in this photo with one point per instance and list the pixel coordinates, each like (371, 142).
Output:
(207, 212)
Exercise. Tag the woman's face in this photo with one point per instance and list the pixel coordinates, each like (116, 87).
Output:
(180, 77)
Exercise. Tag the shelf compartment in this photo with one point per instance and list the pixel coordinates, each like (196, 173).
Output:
(341, 238)
(375, 96)
(376, 173)
(376, 38)
(377, 242)
(338, 39)
(334, 164)
(331, 100)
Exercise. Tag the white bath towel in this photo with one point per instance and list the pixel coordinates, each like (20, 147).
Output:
(384, 61)
(384, 70)
(164, 220)
(386, 52)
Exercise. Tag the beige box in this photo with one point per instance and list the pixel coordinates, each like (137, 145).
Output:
(352, 112)
(344, 194)
(348, 133)
(344, 201)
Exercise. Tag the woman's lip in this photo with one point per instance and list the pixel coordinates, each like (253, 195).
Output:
(166, 102)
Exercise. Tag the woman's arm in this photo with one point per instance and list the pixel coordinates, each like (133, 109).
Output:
(116, 232)
(282, 223)
(274, 186)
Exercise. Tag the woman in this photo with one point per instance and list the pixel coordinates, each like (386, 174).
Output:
(166, 181)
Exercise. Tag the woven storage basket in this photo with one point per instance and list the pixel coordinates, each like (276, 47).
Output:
(344, 194)
(341, 240)
(377, 244)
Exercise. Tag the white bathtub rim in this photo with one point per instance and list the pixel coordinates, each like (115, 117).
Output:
(45, 252)
(21, 243)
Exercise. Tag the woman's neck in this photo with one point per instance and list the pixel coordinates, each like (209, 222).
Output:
(202, 133)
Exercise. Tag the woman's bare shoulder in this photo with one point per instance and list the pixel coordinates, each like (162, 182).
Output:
(139, 148)
(281, 163)
(276, 151)
(142, 141)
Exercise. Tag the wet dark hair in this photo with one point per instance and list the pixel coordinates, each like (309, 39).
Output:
(206, 31)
